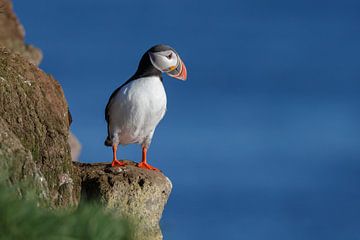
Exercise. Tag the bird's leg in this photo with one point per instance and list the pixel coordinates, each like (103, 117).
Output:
(115, 162)
(144, 163)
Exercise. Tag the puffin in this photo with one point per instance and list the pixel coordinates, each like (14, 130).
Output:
(136, 107)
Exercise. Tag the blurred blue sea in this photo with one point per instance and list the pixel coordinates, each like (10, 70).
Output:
(261, 142)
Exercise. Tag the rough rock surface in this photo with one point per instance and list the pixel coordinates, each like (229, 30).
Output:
(131, 192)
(33, 106)
(12, 34)
(33, 118)
(17, 164)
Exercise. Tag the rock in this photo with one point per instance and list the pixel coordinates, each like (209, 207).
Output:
(33, 106)
(12, 34)
(130, 192)
(75, 147)
(17, 164)
(34, 110)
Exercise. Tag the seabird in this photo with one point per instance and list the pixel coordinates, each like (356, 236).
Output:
(137, 106)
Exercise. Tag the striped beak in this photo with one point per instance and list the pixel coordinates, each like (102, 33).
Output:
(178, 72)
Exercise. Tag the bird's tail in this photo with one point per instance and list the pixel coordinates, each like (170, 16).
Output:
(108, 142)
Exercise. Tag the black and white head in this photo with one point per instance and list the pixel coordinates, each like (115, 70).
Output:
(163, 59)
(167, 60)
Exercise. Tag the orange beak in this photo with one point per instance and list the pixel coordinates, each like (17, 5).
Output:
(179, 72)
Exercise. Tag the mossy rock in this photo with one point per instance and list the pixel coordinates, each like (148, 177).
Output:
(33, 106)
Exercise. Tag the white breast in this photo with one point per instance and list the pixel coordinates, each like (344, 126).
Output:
(136, 110)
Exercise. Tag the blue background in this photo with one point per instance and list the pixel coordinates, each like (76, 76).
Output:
(261, 142)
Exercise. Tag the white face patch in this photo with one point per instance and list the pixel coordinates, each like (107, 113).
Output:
(164, 61)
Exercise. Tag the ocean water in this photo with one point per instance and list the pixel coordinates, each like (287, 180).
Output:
(261, 142)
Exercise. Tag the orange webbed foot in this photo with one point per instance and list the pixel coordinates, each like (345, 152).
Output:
(117, 163)
(147, 166)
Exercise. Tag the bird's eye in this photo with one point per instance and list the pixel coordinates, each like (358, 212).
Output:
(169, 56)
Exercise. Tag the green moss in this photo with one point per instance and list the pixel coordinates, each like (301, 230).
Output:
(22, 219)
(35, 152)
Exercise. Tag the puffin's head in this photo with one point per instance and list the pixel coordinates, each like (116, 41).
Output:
(167, 60)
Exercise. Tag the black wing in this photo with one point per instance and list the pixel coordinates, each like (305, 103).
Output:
(109, 103)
